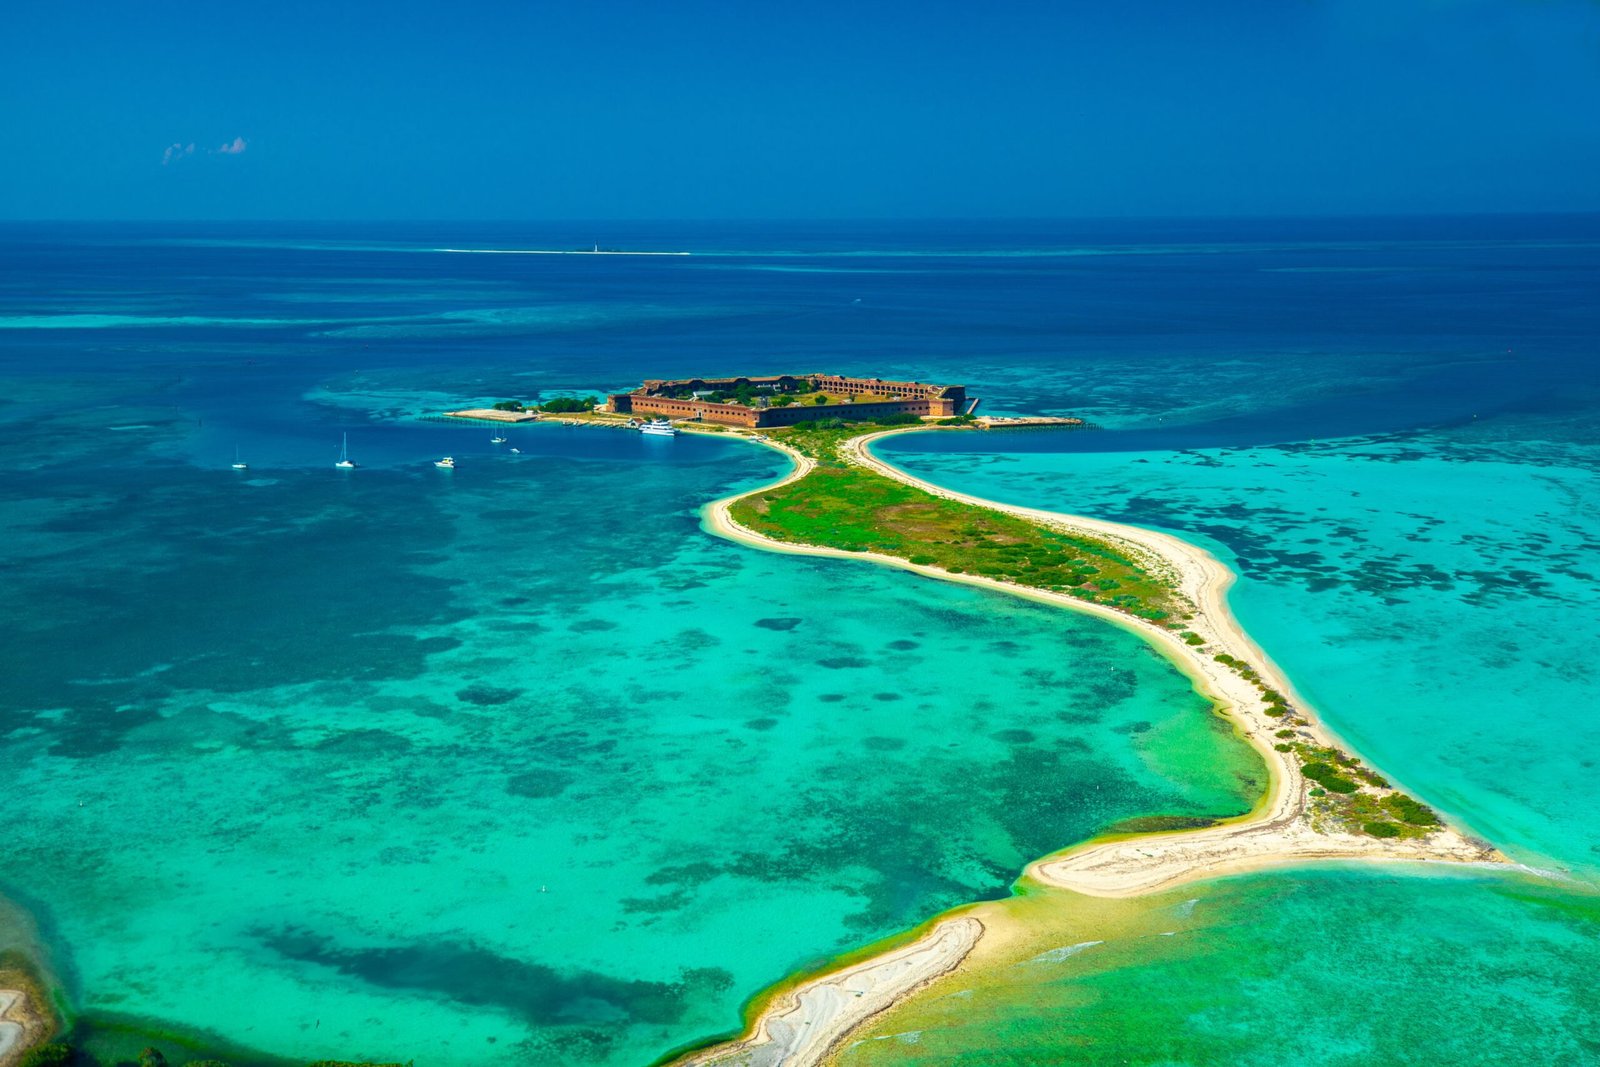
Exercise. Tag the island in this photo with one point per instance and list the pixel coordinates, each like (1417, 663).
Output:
(840, 500)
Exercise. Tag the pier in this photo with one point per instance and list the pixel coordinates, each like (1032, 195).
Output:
(1017, 422)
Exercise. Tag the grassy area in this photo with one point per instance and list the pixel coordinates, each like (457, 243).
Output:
(839, 505)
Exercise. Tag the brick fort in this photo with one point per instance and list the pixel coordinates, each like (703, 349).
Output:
(787, 399)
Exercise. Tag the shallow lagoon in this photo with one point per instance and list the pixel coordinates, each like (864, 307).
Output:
(515, 762)
(1336, 966)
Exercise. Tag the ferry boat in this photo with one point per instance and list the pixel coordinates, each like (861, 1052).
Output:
(345, 462)
(447, 463)
(658, 428)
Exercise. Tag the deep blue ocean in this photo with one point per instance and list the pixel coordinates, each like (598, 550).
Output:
(516, 764)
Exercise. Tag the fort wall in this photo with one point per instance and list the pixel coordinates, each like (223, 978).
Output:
(655, 399)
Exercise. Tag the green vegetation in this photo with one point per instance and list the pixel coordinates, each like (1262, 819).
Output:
(568, 404)
(840, 505)
(741, 393)
(509, 405)
(1328, 778)
(782, 401)
(820, 398)
(1355, 798)
(1409, 811)
(1192, 638)
(1157, 824)
(51, 1055)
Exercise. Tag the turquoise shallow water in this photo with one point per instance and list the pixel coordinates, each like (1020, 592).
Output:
(332, 740)
(1333, 967)
(1430, 593)
(515, 763)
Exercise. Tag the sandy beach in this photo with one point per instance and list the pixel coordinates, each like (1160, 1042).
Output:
(22, 1025)
(802, 1024)
(1278, 832)
(10, 1032)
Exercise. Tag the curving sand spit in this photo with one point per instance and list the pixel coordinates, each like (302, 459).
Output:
(802, 1024)
(805, 1024)
(22, 1024)
(10, 1032)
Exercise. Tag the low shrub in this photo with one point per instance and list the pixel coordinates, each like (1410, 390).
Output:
(568, 404)
(1327, 777)
(1410, 811)
(54, 1054)
(1381, 829)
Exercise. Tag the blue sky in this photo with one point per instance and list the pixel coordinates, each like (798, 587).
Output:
(703, 109)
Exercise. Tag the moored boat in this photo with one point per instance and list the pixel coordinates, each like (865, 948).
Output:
(345, 462)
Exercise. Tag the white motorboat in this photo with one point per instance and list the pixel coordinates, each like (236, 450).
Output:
(447, 463)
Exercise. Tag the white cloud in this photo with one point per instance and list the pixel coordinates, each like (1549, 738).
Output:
(176, 151)
(234, 147)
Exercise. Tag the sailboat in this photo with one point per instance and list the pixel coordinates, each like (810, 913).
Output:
(497, 439)
(344, 455)
(239, 464)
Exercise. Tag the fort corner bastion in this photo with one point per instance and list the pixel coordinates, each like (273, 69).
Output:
(787, 399)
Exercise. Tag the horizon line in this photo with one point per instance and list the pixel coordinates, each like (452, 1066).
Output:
(807, 219)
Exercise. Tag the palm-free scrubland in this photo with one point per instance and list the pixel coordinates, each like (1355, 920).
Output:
(844, 506)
